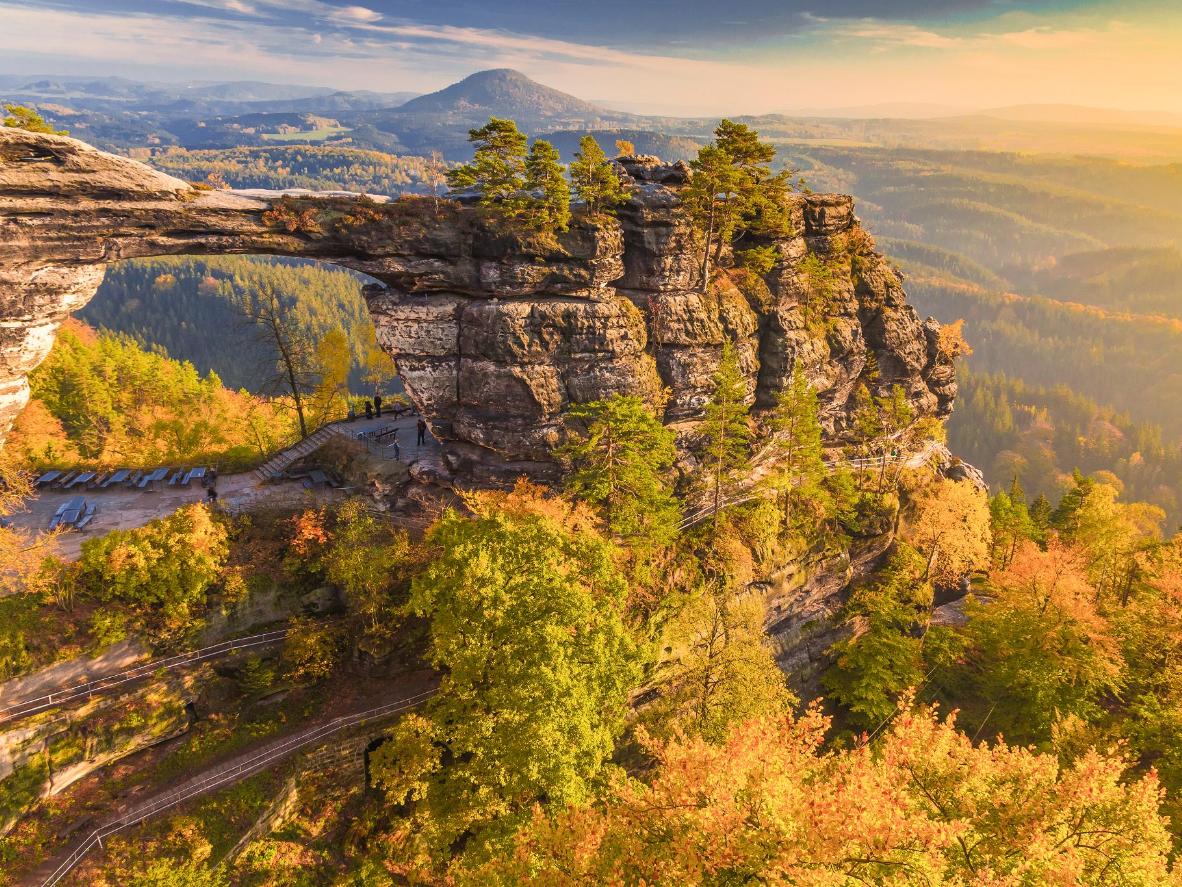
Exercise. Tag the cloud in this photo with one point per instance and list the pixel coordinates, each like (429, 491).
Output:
(898, 35)
(356, 14)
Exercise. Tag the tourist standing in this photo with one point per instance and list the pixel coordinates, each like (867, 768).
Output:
(377, 403)
(422, 429)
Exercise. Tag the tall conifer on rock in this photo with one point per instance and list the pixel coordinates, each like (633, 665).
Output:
(796, 433)
(726, 427)
(498, 164)
(593, 180)
(549, 200)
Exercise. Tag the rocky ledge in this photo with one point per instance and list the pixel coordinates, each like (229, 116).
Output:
(494, 332)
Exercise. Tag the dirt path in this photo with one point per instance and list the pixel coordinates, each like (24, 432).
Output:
(128, 811)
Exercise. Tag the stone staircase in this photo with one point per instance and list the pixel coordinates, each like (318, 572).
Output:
(281, 461)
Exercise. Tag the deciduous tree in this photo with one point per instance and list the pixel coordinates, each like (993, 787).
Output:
(949, 524)
(523, 602)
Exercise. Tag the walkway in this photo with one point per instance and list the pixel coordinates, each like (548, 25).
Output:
(750, 490)
(20, 707)
(219, 776)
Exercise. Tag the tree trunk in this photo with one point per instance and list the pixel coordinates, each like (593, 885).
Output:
(706, 252)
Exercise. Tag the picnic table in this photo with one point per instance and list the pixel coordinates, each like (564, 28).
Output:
(81, 479)
(118, 477)
(151, 477)
(68, 513)
(47, 478)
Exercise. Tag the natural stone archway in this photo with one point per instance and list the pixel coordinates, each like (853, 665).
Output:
(494, 333)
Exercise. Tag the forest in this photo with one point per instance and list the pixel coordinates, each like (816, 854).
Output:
(189, 306)
(301, 166)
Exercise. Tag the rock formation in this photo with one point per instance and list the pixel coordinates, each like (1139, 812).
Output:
(494, 332)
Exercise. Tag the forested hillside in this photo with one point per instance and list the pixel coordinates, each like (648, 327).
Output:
(1012, 214)
(301, 166)
(186, 305)
(1041, 434)
(1066, 271)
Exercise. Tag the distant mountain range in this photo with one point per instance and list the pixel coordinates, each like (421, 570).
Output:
(121, 114)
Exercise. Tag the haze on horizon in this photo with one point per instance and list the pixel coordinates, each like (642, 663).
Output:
(743, 56)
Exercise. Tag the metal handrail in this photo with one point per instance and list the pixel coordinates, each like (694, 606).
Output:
(54, 698)
(225, 775)
(706, 511)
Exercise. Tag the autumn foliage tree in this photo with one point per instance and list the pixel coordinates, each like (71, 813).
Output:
(950, 527)
(164, 569)
(721, 671)
(925, 806)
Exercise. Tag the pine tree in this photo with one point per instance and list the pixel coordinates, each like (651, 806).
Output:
(550, 202)
(593, 180)
(710, 200)
(726, 426)
(1041, 511)
(733, 192)
(621, 458)
(796, 429)
(22, 117)
(497, 167)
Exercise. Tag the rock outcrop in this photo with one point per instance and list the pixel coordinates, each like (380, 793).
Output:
(494, 332)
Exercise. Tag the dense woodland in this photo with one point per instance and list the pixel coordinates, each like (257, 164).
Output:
(301, 166)
(191, 308)
(100, 399)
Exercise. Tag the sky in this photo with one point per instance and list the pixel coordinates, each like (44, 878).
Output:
(689, 57)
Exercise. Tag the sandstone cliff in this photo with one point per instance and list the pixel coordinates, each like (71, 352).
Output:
(494, 332)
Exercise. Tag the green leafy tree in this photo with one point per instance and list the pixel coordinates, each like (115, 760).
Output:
(1011, 523)
(22, 117)
(721, 672)
(312, 649)
(621, 458)
(364, 559)
(550, 193)
(726, 427)
(523, 602)
(594, 180)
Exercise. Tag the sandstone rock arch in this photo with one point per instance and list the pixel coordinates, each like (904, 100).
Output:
(494, 333)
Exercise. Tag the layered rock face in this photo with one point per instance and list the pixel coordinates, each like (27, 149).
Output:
(495, 333)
